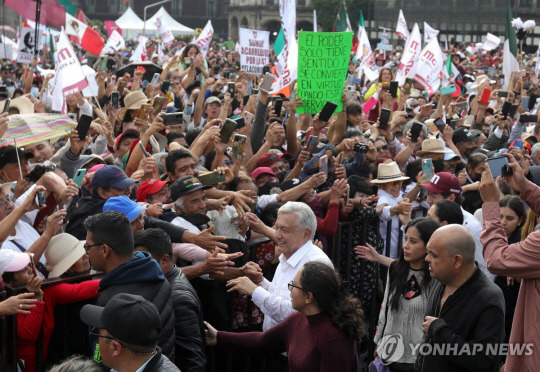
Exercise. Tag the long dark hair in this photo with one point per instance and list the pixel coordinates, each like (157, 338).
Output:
(515, 204)
(345, 311)
(399, 269)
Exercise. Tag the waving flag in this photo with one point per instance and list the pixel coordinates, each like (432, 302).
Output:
(401, 28)
(89, 39)
(510, 62)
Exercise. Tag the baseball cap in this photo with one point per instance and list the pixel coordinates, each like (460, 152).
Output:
(443, 182)
(260, 171)
(461, 134)
(8, 155)
(124, 205)
(110, 175)
(451, 155)
(290, 183)
(212, 99)
(11, 261)
(269, 158)
(186, 185)
(128, 318)
(132, 133)
(150, 186)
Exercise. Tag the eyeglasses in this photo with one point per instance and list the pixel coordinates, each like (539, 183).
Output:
(95, 332)
(87, 247)
(291, 285)
(394, 183)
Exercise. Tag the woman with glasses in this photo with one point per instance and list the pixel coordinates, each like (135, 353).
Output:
(320, 336)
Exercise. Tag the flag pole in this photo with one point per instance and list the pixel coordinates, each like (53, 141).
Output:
(36, 32)
(18, 158)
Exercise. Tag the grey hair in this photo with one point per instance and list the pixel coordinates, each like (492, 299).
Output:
(306, 217)
(76, 363)
(159, 157)
(535, 149)
(179, 205)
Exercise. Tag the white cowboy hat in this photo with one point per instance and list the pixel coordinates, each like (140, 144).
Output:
(389, 172)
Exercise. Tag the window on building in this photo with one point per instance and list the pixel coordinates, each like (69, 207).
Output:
(211, 8)
(301, 2)
(177, 7)
(526, 3)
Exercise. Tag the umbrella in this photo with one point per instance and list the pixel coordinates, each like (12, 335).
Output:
(151, 69)
(31, 128)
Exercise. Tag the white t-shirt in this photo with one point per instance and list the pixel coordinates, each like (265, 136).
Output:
(25, 236)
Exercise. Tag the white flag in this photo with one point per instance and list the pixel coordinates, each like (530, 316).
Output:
(537, 67)
(115, 42)
(164, 32)
(491, 42)
(204, 39)
(287, 64)
(365, 55)
(140, 54)
(314, 20)
(401, 28)
(409, 59)
(68, 74)
(26, 45)
(429, 33)
(429, 67)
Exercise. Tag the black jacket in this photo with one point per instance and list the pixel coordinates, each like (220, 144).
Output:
(142, 276)
(79, 211)
(160, 363)
(472, 315)
(189, 326)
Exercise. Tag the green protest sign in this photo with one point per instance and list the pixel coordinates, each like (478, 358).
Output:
(323, 61)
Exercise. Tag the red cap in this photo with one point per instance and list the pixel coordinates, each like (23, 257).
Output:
(121, 136)
(150, 186)
(443, 182)
(269, 158)
(260, 171)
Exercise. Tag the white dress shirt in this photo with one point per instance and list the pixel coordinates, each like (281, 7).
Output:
(274, 298)
(386, 216)
(475, 227)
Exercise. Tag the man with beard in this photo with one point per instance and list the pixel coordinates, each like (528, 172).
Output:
(464, 142)
(476, 165)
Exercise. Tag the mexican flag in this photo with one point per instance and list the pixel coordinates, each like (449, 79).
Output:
(89, 39)
(342, 22)
(510, 62)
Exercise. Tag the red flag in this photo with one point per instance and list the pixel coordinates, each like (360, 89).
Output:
(111, 26)
(52, 14)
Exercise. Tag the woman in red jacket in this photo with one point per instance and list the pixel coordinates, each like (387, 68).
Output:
(42, 315)
(321, 336)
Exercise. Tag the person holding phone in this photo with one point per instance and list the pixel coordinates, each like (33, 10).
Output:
(377, 90)
(197, 68)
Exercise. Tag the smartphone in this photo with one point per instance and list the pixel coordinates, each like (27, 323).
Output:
(513, 110)
(415, 131)
(115, 99)
(254, 91)
(231, 88)
(103, 63)
(143, 111)
(83, 126)
(407, 86)
(212, 178)
(532, 101)
(6, 105)
(158, 104)
(248, 117)
(173, 118)
(188, 60)
(440, 124)
(528, 118)
(227, 129)
(155, 79)
(79, 176)
(245, 100)
(327, 111)
(448, 90)
(324, 164)
(40, 198)
(277, 106)
(518, 144)
(461, 105)
(268, 80)
(113, 79)
(427, 167)
(384, 118)
(525, 102)
(485, 96)
(239, 146)
(240, 122)
(496, 165)
(454, 123)
(146, 154)
(505, 110)
(502, 93)
(393, 88)
(165, 86)
(312, 143)
(350, 93)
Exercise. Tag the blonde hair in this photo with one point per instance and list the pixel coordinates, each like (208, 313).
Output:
(528, 226)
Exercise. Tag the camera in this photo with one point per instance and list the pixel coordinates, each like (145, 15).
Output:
(361, 148)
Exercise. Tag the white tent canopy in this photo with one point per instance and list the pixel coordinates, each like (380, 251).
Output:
(175, 27)
(131, 24)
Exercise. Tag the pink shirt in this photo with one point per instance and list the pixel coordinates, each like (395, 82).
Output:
(519, 260)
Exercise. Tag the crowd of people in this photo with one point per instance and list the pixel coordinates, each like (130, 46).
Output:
(160, 199)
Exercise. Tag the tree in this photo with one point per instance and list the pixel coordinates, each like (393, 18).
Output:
(327, 11)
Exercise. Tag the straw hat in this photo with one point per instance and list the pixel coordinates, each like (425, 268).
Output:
(62, 252)
(6, 187)
(432, 145)
(389, 172)
(132, 101)
(23, 104)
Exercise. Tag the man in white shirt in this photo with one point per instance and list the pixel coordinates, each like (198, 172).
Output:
(295, 228)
